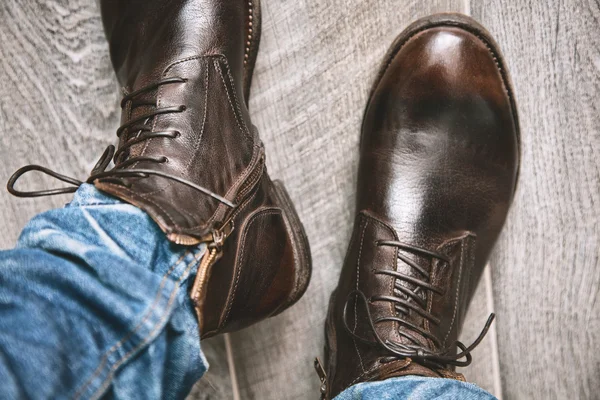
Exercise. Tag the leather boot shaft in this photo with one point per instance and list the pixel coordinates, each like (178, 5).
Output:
(198, 48)
(189, 156)
(147, 36)
(257, 263)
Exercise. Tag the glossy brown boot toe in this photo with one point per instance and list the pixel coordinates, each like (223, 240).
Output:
(439, 159)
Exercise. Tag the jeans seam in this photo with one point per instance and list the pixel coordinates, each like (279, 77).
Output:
(146, 339)
(96, 204)
(122, 341)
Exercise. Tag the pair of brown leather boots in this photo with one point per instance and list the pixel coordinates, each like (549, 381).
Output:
(439, 158)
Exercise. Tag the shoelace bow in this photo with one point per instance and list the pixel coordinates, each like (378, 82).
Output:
(142, 131)
(418, 304)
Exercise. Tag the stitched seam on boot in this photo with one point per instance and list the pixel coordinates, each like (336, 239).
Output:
(392, 281)
(158, 100)
(204, 64)
(460, 270)
(363, 375)
(237, 114)
(154, 122)
(250, 34)
(362, 238)
(197, 142)
(241, 258)
(235, 108)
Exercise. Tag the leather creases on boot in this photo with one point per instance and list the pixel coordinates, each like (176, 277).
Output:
(190, 157)
(439, 159)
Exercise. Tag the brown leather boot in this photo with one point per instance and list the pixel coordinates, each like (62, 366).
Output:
(439, 162)
(190, 157)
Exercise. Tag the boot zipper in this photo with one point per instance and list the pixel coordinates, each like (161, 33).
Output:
(249, 184)
(215, 241)
(322, 377)
(214, 251)
(251, 181)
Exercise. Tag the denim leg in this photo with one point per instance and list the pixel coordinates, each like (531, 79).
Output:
(94, 301)
(414, 388)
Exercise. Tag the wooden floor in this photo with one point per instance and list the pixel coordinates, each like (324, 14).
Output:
(58, 107)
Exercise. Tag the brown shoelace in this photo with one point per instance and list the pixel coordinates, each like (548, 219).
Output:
(413, 302)
(142, 131)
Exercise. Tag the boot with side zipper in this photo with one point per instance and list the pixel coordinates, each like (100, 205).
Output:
(439, 159)
(190, 157)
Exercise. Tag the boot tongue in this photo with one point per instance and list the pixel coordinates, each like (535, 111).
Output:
(448, 274)
(405, 269)
(406, 313)
(143, 104)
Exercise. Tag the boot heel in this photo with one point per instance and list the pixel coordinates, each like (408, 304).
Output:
(265, 265)
(300, 245)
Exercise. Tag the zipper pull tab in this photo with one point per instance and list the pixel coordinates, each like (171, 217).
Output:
(322, 377)
(220, 235)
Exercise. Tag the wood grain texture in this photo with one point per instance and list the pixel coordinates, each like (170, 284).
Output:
(58, 98)
(546, 271)
(216, 384)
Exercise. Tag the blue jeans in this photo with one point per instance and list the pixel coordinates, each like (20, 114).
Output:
(94, 303)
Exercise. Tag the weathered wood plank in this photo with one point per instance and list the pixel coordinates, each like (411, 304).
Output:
(315, 67)
(216, 383)
(58, 98)
(546, 272)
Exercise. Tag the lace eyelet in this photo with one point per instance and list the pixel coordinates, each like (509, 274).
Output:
(182, 108)
(164, 160)
(176, 134)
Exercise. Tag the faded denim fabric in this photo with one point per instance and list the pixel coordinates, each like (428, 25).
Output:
(415, 388)
(94, 300)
